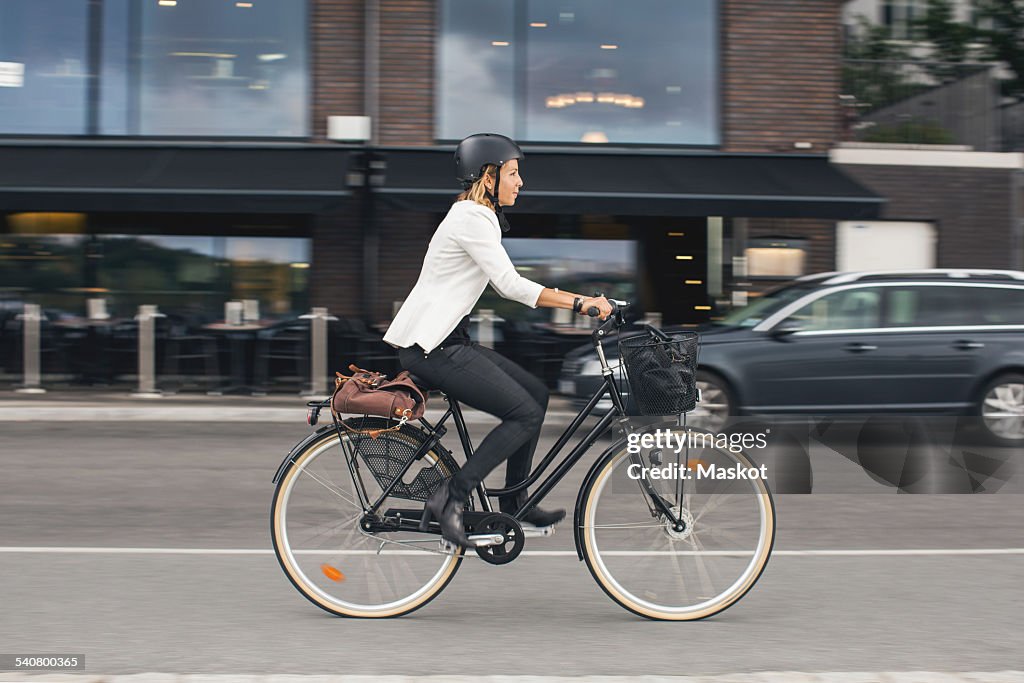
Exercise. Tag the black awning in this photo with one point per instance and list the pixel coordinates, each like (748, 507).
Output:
(187, 177)
(636, 182)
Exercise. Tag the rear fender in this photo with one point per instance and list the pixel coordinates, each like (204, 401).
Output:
(301, 446)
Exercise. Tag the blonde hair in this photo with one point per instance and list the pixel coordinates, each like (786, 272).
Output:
(477, 192)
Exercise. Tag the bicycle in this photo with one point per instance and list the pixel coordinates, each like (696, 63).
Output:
(346, 508)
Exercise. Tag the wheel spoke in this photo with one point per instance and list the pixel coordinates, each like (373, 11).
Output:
(331, 559)
(333, 488)
(658, 571)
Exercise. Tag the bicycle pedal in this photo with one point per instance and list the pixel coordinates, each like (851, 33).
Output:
(530, 531)
(484, 540)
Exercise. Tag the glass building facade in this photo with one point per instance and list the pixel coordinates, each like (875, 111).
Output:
(162, 68)
(591, 71)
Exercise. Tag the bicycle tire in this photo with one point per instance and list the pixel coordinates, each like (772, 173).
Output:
(595, 486)
(301, 573)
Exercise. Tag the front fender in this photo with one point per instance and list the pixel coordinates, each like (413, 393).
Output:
(577, 517)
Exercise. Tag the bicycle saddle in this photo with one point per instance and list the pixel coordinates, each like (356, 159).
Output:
(422, 383)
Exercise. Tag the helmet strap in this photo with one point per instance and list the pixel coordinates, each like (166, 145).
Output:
(502, 221)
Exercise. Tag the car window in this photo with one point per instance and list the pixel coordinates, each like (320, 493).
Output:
(764, 305)
(848, 309)
(932, 306)
(1001, 305)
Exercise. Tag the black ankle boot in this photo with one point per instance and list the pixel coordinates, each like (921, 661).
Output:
(536, 516)
(446, 509)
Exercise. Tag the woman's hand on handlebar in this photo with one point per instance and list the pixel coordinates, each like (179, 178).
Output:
(599, 304)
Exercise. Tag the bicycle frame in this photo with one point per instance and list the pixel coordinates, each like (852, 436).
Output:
(434, 432)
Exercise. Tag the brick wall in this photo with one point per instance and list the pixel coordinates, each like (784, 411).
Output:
(337, 59)
(407, 72)
(404, 236)
(781, 74)
(971, 209)
(337, 269)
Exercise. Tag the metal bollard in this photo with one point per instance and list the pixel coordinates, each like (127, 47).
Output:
(318, 319)
(147, 352)
(485, 332)
(30, 322)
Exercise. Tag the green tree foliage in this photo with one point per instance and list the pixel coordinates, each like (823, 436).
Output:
(950, 39)
(1004, 41)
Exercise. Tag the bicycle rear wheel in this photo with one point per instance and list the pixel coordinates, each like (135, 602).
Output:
(659, 572)
(330, 559)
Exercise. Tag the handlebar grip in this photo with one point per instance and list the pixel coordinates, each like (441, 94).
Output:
(593, 312)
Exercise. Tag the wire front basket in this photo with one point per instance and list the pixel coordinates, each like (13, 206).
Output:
(662, 373)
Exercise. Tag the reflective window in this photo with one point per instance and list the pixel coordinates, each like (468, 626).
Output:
(476, 79)
(900, 16)
(575, 265)
(848, 309)
(1002, 306)
(168, 68)
(43, 66)
(580, 70)
(945, 306)
(58, 261)
(205, 68)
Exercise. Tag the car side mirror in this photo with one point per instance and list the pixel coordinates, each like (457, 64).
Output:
(786, 328)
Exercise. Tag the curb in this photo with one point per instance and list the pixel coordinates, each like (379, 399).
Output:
(760, 677)
(123, 411)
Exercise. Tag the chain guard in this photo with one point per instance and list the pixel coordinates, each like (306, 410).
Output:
(507, 526)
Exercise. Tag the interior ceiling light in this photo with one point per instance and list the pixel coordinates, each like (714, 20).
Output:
(168, 3)
(243, 4)
(609, 47)
(538, 24)
(618, 99)
(215, 55)
(499, 43)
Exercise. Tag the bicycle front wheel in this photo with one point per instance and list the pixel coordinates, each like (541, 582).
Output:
(327, 555)
(661, 571)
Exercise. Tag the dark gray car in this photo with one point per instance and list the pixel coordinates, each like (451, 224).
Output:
(915, 342)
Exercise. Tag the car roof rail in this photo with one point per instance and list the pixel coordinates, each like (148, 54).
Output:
(926, 273)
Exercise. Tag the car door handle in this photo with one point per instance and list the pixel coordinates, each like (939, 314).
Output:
(966, 345)
(860, 348)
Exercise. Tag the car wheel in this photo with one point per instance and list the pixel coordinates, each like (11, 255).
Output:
(716, 402)
(1001, 409)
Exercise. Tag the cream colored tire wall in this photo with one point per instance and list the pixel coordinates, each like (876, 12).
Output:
(277, 533)
(589, 551)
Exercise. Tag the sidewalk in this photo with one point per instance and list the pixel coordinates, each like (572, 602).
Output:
(759, 677)
(79, 405)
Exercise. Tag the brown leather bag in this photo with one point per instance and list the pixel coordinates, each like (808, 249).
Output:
(372, 393)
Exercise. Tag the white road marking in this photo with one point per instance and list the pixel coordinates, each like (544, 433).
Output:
(867, 552)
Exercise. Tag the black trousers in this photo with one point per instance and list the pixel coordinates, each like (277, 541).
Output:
(484, 379)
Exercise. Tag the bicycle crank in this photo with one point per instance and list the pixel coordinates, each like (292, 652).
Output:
(502, 538)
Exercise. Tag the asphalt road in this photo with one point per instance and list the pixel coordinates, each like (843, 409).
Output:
(145, 546)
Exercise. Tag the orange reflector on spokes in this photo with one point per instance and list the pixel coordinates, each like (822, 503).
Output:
(332, 573)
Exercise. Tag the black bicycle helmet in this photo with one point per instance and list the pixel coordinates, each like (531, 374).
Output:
(477, 151)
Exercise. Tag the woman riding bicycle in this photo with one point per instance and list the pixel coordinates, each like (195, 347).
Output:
(431, 330)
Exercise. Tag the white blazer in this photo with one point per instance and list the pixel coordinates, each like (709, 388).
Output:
(464, 254)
